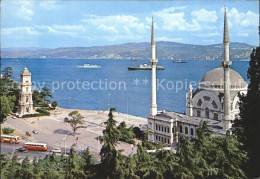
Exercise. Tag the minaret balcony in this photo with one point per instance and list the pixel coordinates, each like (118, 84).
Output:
(226, 64)
(153, 61)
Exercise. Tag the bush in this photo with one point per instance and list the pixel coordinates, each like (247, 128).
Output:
(8, 130)
(43, 111)
(33, 115)
(54, 104)
(138, 133)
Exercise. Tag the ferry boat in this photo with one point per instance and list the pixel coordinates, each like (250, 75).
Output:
(145, 67)
(88, 66)
(179, 61)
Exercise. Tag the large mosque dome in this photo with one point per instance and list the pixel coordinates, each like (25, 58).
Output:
(214, 79)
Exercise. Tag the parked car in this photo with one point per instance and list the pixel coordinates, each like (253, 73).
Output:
(35, 131)
(56, 150)
(22, 150)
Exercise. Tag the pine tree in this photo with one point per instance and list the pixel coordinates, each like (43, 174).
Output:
(247, 128)
(110, 157)
(26, 169)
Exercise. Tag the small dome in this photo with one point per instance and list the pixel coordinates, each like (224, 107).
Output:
(214, 79)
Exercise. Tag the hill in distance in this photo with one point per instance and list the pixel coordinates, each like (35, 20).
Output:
(165, 50)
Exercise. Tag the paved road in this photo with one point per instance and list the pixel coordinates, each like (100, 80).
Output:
(11, 148)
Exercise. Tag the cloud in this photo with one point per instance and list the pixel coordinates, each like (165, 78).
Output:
(203, 15)
(169, 39)
(19, 31)
(73, 30)
(117, 24)
(172, 20)
(243, 19)
(49, 5)
(243, 34)
(25, 12)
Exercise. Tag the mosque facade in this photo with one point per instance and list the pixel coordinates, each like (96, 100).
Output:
(215, 101)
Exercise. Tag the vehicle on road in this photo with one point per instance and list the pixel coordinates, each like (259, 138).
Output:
(56, 150)
(36, 146)
(10, 139)
(35, 131)
(22, 150)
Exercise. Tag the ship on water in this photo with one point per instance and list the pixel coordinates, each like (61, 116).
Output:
(179, 61)
(144, 67)
(88, 66)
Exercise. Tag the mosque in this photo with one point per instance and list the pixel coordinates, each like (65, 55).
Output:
(215, 100)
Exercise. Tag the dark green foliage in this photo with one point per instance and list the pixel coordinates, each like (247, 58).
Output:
(110, 157)
(42, 98)
(4, 108)
(33, 115)
(9, 89)
(126, 134)
(43, 111)
(54, 104)
(247, 128)
(8, 130)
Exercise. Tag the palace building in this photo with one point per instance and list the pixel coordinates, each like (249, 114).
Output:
(215, 100)
(25, 97)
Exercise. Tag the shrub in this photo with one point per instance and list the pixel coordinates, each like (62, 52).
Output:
(43, 111)
(8, 130)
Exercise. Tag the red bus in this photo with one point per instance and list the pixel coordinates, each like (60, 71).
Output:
(36, 146)
(10, 139)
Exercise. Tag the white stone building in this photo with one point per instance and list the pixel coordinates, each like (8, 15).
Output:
(25, 97)
(215, 100)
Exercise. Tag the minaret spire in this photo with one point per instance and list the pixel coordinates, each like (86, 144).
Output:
(226, 65)
(153, 61)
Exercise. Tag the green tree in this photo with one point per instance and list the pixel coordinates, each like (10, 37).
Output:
(4, 108)
(12, 169)
(110, 157)
(8, 73)
(54, 104)
(26, 171)
(247, 128)
(88, 162)
(72, 167)
(75, 121)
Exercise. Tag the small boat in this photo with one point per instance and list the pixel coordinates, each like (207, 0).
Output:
(145, 67)
(88, 66)
(179, 61)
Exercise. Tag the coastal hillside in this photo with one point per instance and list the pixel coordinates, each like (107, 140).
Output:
(165, 50)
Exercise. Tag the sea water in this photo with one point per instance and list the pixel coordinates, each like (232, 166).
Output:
(113, 85)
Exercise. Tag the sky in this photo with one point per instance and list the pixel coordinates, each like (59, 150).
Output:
(53, 24)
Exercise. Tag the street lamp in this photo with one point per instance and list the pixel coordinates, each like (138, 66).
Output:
(65, 143)
(108, 103)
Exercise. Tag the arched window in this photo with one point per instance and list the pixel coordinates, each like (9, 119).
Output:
(27, 109)
(191, 132)
(207, 112)
(27, 99)
(198, 113)
(214, 105)
(27, 89)
(186, 130)
(216, 116)
(180, 129)
(199, 102)
(237, 105)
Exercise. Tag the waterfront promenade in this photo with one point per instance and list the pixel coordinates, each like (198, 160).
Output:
(53, 131)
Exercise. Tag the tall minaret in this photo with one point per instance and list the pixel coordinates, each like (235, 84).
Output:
(189, 105)
(153, 61)
(226, 65)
